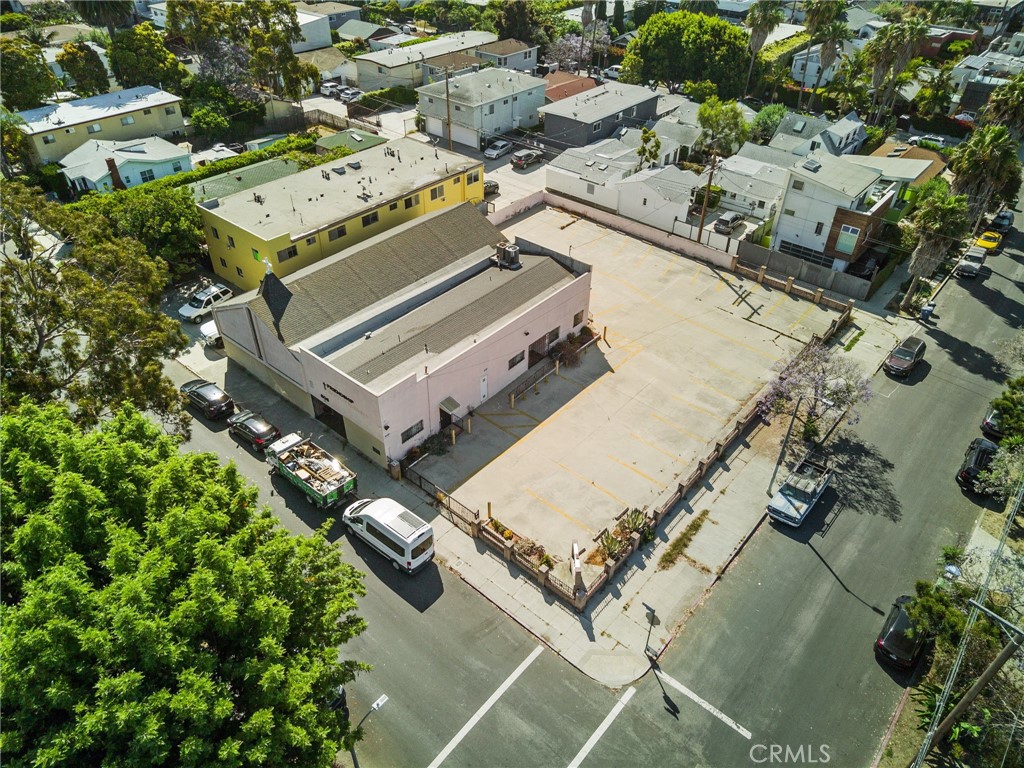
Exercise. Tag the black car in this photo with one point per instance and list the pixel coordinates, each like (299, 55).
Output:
(902, 360)
(992, 425)
(490, 187)
(253, 429)
(213, 401)
(1002, 222)
(526, 157)
(977, 457)
(899, 642)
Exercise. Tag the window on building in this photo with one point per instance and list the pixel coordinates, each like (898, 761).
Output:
(223, 262)
(577, 318)
(412, 431)
(49, 138)
(437, 192)
(370, 218)
(169, 110)
(760, 203)
(553, 335)
(311, 240)
(255, 255)
(334, 234)
(393, 207)
(380, 70)
(820, 226)
(473, 177)
(231, 242)
(95, 128)
(632, 111)
(411, 201)
(287, 253)
(127, 120)
(458, 108)
(239, 271)
(788, 212)
(618, 117)
(645, 201)
(516, 360)
(176, 166)
(528, 55)
(502, 60)
(490, 109)
(847, 239)
(216, 234)
(127, 179)
(457, 180)
(590, 189)
(505, 102)
(418, 64)
(597, 126)
(515, 99)
(797, 184)
(69, 130)
(146, 175)
(147, 111)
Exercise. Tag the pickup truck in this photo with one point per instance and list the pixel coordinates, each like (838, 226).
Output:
(797, 496)
(321, 476)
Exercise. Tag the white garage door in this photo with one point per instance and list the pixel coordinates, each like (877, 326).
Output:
(435, 126)
(467, 136)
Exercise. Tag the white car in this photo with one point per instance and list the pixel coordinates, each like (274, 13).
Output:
(613, 72)
(930, 138)
(497, 149)
(329, 89)
(203, 301)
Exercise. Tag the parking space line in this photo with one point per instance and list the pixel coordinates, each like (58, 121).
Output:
(774, 306)
(552, 507)
(587, 480)
(486, 706)
(697, 272)
(684, 430)
(695, 407)
(631, 468)
(731, 374)
(604, 726)
(801, 318)
(709, 707)
(658, 448)
(644, 255)
(705, 385)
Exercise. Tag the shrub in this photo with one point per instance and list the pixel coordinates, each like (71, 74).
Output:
(388, 97)
(12, 22)
(783, 48)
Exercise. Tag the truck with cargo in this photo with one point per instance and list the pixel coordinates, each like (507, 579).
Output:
(794, 500)
(318, 474)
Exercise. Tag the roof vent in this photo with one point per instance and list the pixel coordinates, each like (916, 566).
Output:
(340, 170)
(602, 167)
(589, 163)
(812, 165)
(355, 165)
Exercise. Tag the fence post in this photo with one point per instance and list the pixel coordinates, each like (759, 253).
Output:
(789, 283)
(511, 399)
(760, 273)
(817, 296)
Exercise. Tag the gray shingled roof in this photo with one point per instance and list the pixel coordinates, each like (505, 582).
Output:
(322, 294)
(773, 155)
(802, 126)
(483, 87)
(598, 103)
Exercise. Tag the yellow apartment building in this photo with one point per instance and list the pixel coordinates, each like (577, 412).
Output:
(295, 221)
(55, 130)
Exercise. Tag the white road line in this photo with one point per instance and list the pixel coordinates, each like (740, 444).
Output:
(486, 706)
(709, 707)
(596, 735)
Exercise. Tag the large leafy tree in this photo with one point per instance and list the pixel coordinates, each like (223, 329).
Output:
(196, 22)
(269, 28)
(619, 16)
(14, 145)
(1010, 405)
(831, 36)
(25, 80)
(86, 329)
(986, 169)
(138, 57)
(766, 122)
(819, 14)
(723, 128)
(763, 18)
(1006, 106)
(940, 221)
(574, 52)
(108, 13)
(85, 67)
(681, 47)
(153, 614)
(515, 20)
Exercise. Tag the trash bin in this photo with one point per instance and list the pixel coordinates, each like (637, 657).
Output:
(927, 310)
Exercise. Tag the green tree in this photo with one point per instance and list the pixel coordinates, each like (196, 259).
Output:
(87, 330)
(154, 614)
(138, 57)
(619, 16)
(209, 120)
(766, 122)
(38, 35)
(986, 169)
(109, 13)
(936, 92)
(649, 151)
(85, 67)
(832, 37)
(848, 87)
(1010, 405)
(891, 10)
(601, 10)
(1006, 107)
(25, 80)
(196, 23)
(723, 127)
(515, 20)
(675, 48)
(14, 145)
(1003, 476)
(903, 39)
(763, 18)
(938, 221)
(819, 14)
(12, 22)
(268, 28)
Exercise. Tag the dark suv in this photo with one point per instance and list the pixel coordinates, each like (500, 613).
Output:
(902, 360)
(899, 642)
(976, 460)
(253, 429)
(526, 157)
(213, 401)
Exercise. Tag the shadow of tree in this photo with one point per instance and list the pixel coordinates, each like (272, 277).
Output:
(972, 358)
(862, 477)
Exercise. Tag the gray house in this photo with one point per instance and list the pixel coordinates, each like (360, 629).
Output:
(510, 54)
(336, 13)
(597, 114)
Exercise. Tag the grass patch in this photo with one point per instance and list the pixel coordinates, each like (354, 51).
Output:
(677, 548)
(856, 337)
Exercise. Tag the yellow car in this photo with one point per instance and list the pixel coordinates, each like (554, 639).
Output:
(989, 241)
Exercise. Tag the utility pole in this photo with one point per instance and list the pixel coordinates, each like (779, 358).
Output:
(707, 193)
(448, 103)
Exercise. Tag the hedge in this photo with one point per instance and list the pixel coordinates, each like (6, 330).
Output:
(388, 97)
(783, 48)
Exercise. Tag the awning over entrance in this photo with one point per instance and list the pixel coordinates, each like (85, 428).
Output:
(450, 405)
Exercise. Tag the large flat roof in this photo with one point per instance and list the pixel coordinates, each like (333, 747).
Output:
(338, 190)
(482, 87)
(598, 103)
(46, 119)
(241, 179)
(397, 57)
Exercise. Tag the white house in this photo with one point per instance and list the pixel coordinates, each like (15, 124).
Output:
(158, 15)
(510, 54)
(750, 187)
(315, 27)
(483, 104)
(658, 197)
(806, 65)
(802, 134)
(404, 66)
(107, 165)
(590, 173)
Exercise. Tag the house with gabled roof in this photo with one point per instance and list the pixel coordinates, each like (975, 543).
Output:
(802, 134)
(597, 114)
(509, 54)
(103, 166)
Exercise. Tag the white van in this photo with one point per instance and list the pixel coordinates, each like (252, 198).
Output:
(209, 335)
(394, 531)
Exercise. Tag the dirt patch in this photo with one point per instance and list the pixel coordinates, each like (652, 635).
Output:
(992, 523)
(323, 130)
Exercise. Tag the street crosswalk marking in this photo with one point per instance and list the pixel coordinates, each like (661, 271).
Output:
(709, 707)
(596, 735)
(486, 706)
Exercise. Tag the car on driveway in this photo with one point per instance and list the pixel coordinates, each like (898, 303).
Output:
(490, 187)
(213, 401)
(253, 429)
(977, 458)
(900, 641)
(497, 148)
(902, 360)
(990, 241)
(929, 138)
(1002, 222)
(526, 157)
(203, 301)
(992, 425)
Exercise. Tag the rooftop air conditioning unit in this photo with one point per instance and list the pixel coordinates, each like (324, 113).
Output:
(508, 257)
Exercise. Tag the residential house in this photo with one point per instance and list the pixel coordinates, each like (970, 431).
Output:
(396, 40)
(481, 105)
(449, 64)
(597, 114)
(351, 138)
(264, 142)
(158, 15)
(997, 17)
(55, 130)
(209, 156)
(354, 29)
(751, 187)
(404, 66)
(832, 209)
(50, 57)
(806, 64)
(801, 134)
(510, 54)
(103, 166)
(331, 63)
(976, 76)
(658, 197)
(300, 219)
(914, 175)
(315, 30)
(242, 179)
(562, 85)
(392, 340)
(936, 40)
(336, 13)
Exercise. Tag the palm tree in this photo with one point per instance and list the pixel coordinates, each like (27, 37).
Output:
(879, 53)
(817, 15)
(849, 87)
(940, 221)
(1006, 106)
(936, 90)
(38, 35)
(108, 13)
(908, 34)
(832, 37)
(763, 18)
(985, 167)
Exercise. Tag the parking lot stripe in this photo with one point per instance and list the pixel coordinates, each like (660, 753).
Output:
(801, 318)
(697, 272)
(551, 506)
(695, 407)
(773, 307)
(587, 480)
(731, 374)
(486, 706)
(631, 468)
(658, 448)
(604, 726)
(684, 430)
(709, 707)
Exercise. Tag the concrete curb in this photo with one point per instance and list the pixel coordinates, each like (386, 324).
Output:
(892, 727)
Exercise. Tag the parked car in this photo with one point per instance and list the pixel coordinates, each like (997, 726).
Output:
(727, 223)
(902, 360)
(929, 138)
(490, 187)
(497, 148)
(350, 96)
(613, 72)
(253, 429)
(329, 88)
(970, 263)
(977, 458)
(210, 336)
(990, 241)
(900, 641)
(1002, 222)
(992, 425)
(203, 301)
(526, 157)
(213, 401)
